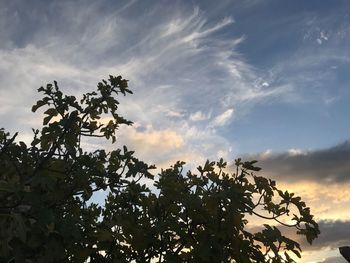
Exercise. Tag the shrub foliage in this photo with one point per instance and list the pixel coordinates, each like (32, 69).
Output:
(48, 212)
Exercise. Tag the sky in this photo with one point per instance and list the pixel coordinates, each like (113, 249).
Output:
(258, 79)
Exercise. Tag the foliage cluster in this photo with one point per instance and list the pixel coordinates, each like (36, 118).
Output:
(48, 213)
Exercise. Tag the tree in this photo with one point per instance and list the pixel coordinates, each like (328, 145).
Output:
(47, 213)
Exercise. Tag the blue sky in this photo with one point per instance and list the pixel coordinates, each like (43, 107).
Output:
(260, 79)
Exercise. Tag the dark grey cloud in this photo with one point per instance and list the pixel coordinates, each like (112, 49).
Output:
(334, 234)
(325, 166)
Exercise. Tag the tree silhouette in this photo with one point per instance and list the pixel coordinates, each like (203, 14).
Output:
(47, 213)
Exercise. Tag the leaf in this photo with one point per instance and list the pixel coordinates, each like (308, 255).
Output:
(249, 166)
(51, 112)
(6, 187)
(21, 229)
(47, 119)
(38, 104)
(41, 89)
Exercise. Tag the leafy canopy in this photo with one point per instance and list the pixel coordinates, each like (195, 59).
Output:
(48, 213)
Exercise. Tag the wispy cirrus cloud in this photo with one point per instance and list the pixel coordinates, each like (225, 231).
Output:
(223, 118)
(181, 67)
(314, 67)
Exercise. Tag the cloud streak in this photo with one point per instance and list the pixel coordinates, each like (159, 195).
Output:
(184, 73)
(223, 118)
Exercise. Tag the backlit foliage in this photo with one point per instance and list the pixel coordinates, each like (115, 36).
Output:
(48, 213)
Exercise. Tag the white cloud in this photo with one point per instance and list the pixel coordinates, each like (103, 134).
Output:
(162, 140)
(330, 100)
(197, 34)
(223, 118)
(172, 113)
(294, 152)
(170, 64)
(198, 116)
